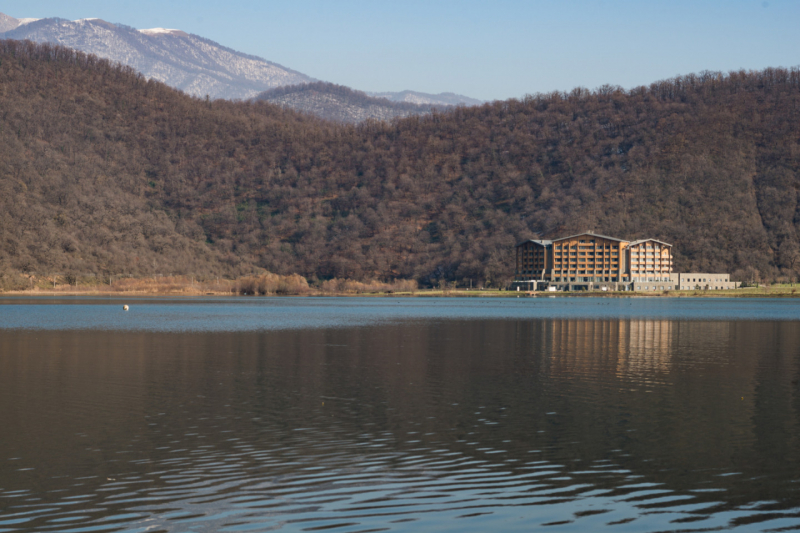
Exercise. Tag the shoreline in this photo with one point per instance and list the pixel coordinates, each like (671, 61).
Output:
(422, 293)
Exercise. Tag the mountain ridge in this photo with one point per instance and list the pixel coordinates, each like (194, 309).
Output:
(191, 63)
(201, 67)
(416, 97)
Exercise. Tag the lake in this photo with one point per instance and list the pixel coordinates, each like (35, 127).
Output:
(399, 414)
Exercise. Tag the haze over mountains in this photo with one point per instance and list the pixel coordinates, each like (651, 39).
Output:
(342, 104)
(201, 67)
(414, 97)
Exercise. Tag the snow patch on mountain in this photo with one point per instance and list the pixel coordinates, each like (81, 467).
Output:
(160, 31)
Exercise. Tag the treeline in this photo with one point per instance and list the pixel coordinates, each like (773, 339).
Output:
(104, 171)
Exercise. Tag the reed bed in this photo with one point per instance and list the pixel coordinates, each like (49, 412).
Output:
(265, 284)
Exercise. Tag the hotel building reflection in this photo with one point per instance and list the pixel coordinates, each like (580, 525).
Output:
(633, 349)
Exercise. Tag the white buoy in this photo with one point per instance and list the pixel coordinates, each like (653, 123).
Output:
(124, 307)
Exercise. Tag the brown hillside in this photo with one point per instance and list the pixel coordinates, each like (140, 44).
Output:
(103, 171)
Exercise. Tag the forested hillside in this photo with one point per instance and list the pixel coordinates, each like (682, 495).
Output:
(104, 171)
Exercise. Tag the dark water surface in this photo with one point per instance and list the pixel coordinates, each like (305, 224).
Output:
(399, 414)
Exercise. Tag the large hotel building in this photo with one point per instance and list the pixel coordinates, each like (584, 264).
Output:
(591, 261)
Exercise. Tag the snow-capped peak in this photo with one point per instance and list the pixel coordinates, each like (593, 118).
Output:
(162, 31)
(26, 21)
(197, 66)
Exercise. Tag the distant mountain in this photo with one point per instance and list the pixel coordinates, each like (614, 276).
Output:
(8, 23)
(414, 97)
(195, 65)
(201, 67)
(341, 104)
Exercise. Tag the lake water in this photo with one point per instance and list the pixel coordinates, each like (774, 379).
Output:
(358, 414)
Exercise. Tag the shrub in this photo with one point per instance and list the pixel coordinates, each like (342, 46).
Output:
(13, 281)
(357, 287)
(273, 284)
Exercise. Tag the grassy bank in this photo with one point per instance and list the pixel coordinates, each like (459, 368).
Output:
(231, 288)
(267, 284)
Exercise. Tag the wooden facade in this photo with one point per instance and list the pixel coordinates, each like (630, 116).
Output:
(649, 260)
(534, 259)
(592, 258)
(588, 258)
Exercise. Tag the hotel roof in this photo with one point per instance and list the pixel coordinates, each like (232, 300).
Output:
(650, 240)
(590, 234)
(540, 242)
(545, 242)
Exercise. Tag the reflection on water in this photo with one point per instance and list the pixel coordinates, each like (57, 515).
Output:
(636, 349)
(639, 350)
(467, 425)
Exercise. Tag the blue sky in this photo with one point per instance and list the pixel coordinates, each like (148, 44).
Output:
(488, 50)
